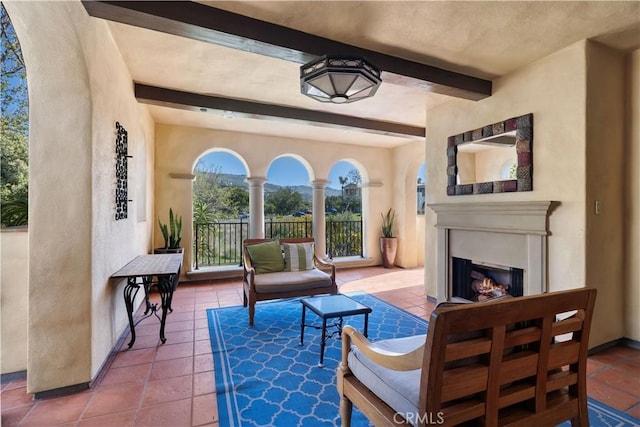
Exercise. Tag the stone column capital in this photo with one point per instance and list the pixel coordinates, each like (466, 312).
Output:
(256, 181)
(372, 184)
(320, 184)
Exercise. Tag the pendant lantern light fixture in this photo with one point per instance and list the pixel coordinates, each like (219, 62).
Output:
(339, 79)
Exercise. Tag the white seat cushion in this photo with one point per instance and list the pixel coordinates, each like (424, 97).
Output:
(284, 281)
(399, 389)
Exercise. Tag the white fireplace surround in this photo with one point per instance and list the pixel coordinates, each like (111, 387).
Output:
(511, 234)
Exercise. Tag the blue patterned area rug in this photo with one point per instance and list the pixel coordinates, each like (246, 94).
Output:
(265, 378)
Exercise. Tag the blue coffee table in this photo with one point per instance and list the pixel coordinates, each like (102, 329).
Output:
(331, 307)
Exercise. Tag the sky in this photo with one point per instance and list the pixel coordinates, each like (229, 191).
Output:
(285, 171)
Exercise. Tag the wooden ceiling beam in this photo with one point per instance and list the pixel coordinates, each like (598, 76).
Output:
(201, 22)
(240, 108)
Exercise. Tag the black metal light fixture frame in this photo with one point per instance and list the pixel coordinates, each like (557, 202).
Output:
(339, 79)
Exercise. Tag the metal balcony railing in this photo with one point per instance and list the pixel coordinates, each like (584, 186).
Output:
(344, 238)
(220, 243)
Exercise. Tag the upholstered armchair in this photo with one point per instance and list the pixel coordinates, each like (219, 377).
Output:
(284, 268)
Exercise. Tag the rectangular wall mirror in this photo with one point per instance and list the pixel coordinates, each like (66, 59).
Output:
(496, 158)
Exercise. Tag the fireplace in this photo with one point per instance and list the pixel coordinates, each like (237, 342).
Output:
(478, 281)
(507, 236)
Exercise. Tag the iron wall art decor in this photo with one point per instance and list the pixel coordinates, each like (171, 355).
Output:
(520, 130)
(122, 199)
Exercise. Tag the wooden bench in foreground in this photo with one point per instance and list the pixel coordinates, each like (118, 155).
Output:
(515, 362)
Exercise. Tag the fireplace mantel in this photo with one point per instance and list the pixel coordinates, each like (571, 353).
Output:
(505, 233)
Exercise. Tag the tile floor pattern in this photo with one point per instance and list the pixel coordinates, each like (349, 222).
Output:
(173, 384)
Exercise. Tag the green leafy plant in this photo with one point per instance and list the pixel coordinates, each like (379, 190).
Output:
(172, 233)
(15, 211)
(387, 223)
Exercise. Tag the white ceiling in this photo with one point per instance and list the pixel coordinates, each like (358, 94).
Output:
(486, 39)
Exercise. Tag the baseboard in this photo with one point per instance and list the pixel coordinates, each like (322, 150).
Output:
(631, 343)
(12, 376)
(624, 341)
(210, 274)
(62, 391)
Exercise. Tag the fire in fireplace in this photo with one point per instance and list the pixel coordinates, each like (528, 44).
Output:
(479, 281)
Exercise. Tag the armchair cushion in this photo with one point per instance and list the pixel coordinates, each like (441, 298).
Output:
(399, 389)
(285, 281)
(298, 256)
(266, 257)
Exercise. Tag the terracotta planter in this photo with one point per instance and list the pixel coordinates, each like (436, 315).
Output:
(388, 249)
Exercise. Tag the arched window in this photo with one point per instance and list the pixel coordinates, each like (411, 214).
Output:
(287, 191)
(14, 100)
(344, 192)
(219, 190)
(220, 209)
(343, 207)
(421, 189)
(508, 170)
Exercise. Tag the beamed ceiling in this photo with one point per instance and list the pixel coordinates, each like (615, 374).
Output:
(235, 65)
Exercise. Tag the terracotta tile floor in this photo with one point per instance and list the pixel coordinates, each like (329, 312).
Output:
(173, 384)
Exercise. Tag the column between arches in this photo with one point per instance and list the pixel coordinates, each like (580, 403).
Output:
(256, 206)
(318, 218)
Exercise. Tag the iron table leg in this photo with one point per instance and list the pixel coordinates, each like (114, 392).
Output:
(165, 286)
(366, 325)
(130, 292)
(324, 339)
(302, 325)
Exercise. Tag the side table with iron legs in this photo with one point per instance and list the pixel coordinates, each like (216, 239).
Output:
(166, 269)
(331, 307)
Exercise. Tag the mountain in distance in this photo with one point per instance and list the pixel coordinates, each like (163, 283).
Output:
(305, 190)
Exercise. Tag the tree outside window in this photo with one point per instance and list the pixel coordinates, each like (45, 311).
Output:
(14, 122)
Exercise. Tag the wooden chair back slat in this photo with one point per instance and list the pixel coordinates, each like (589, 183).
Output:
(459, 413)
(515, 394)
(463, 350)
(463, 382)
(518, 366)
(561, 379)
(492, 392)
(521, 337)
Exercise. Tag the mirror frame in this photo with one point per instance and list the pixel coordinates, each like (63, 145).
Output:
(523, 125)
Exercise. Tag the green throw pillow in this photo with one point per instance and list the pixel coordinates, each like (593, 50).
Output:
(266, 257)
(298, 256)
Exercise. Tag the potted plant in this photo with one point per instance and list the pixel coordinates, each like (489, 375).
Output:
(172, 235)
(388, 243)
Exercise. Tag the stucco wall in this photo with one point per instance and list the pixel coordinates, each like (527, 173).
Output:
(78, 89)
(554, 90)
(604, 268)
(178, 148)
(409, 228)
(114, 243)
(14, 299)
(632, 202)
(60, 195)
(576, 99)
